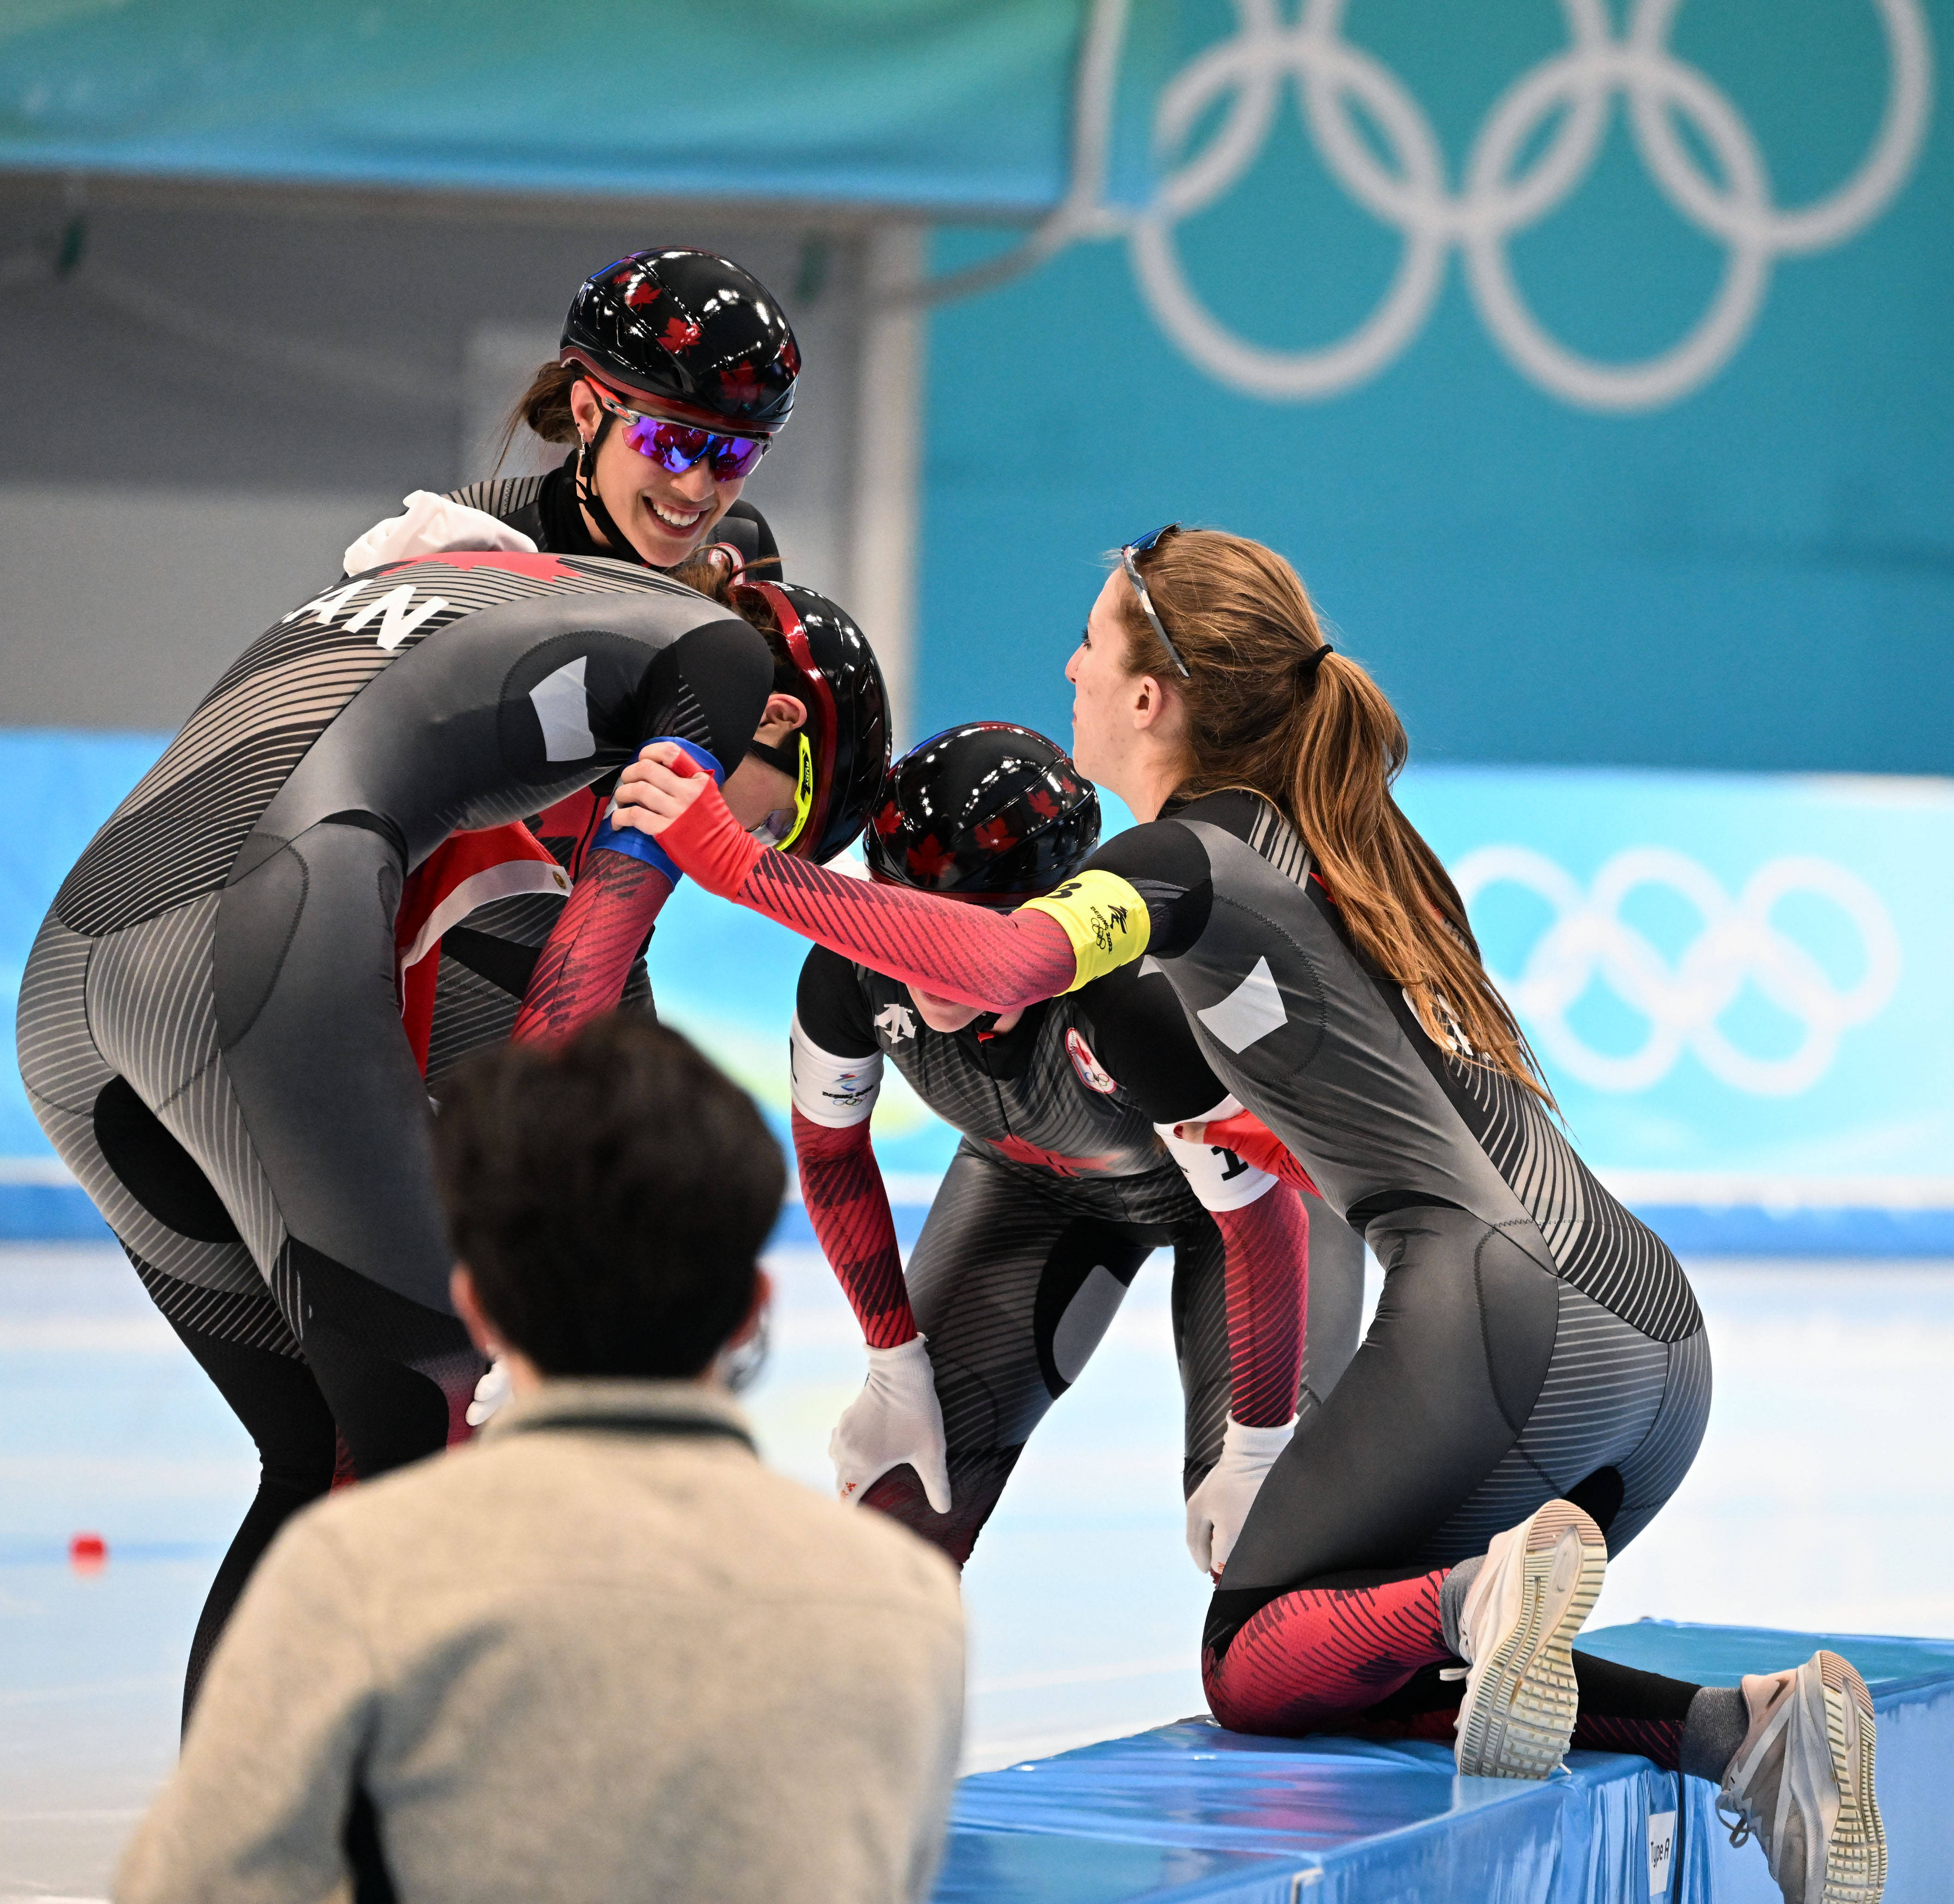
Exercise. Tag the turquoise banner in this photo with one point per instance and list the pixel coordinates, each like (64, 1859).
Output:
(1590, 361)
(1742, 987)
(950, 104)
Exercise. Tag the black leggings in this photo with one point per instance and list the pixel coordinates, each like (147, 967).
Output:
(123, 1062)
(1016, 1276)
(281, 1407)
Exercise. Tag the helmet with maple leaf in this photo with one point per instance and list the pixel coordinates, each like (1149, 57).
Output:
(691, 334)
(987, 812)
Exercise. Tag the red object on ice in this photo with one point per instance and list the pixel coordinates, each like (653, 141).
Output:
(88, 1553)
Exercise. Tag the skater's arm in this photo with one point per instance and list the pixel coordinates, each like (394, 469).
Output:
(848, 1204)
(626, 879)
(1243, 1133)
(897, 1420)
(835, 1092)
(581, 970)
(1267, 1245)
(1001, 961)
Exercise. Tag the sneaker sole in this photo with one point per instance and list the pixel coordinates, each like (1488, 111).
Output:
(1519, 1713)
(1855, 1855)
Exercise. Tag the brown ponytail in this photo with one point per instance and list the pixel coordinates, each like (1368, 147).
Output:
(1315, 737)
(544, 409)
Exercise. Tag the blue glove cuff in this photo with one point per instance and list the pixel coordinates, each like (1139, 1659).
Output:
(634, 845)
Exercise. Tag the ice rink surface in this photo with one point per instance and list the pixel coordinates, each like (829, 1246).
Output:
(1823, 1498)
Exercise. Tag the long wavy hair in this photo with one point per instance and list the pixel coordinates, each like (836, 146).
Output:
(1317, 739)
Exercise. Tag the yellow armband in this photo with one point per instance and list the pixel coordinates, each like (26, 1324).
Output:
(1104, 917)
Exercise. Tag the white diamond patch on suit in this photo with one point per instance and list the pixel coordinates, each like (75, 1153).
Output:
(565, 712)
(1252, 1010)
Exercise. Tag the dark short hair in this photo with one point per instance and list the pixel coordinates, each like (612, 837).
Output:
(609, 1195)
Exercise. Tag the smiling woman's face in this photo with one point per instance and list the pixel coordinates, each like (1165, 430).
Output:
(667, 517)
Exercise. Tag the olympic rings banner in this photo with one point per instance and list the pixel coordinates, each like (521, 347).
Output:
(1587, 358)
(1530, 154)
(1742, 987)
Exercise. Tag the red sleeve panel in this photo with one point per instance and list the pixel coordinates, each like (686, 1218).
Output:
(1268, 1244)
(848, 1204)
(581, 971)
(998, 961)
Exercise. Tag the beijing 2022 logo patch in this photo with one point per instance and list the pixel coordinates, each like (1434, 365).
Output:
(1091, 1074)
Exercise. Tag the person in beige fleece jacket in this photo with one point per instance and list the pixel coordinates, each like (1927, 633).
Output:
(601, 1653)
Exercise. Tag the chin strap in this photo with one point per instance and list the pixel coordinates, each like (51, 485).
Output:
(622, 547)
(786, 759)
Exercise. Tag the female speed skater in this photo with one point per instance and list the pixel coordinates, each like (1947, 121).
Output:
(1537, 1381)
(675, 371)
(1067, 1178)
(210, 1029)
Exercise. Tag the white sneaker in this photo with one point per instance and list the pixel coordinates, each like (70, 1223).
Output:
(1539, 1582)
(1802, 1783)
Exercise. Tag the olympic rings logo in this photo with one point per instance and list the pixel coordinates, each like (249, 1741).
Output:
(1683, 1003)
(1507, 186)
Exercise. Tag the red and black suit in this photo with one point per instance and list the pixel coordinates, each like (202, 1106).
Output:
(1061, 1188)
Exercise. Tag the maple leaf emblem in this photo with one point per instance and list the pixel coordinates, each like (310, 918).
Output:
(740, 385)
(888, 819)
(646, 290)
(791, 358)
(994, 835)
(927, 860)
(1043, 805)
(678, 334)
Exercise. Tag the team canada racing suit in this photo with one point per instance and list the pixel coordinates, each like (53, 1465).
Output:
(1534, 1339)
(210, 1032)
(1067, 1178)
(470, 968)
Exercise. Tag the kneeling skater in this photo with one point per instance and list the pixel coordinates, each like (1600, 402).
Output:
(1067, 1178)
(1537, 1381)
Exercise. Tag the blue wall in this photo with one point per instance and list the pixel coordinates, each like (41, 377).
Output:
(1755, 571)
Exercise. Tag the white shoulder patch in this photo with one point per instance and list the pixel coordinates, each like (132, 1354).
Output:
(835, 1092)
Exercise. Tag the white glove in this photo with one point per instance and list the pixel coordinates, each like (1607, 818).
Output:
(491, 1393)
(896, 1418)
(432, 526)
(1216, 1508)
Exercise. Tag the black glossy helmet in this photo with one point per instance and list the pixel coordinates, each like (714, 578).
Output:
(825, 662)
(987, 812)
(692, 333)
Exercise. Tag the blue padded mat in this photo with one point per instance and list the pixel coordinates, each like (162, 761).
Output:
(1190, 1811)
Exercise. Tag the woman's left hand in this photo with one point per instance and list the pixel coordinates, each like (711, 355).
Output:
(651, 794)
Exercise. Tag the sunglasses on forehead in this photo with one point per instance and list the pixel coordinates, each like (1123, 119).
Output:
(1309, 664)
(1145, 546)
(675, 448)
